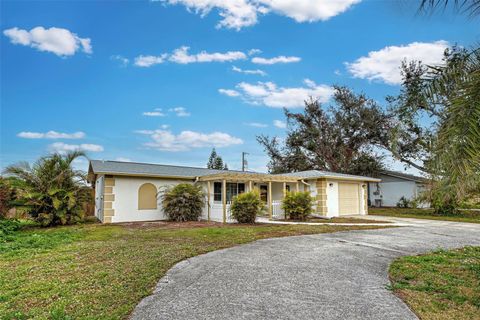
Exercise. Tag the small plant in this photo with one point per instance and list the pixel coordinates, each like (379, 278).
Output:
(183, 202)
(246, 206)
(297, 205)
(404, 203)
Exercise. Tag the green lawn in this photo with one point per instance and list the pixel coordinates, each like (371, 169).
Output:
(102, 271)
(440, 285)
(465, 216)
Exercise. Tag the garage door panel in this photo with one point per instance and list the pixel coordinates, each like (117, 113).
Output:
(348, 198)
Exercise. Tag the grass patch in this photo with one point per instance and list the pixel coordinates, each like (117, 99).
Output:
(440, 285)
(102, 271)
(464, 216)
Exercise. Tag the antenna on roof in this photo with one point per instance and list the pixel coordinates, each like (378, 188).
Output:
(244, 161)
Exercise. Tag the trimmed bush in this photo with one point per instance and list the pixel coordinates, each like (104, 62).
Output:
(297, 205)
(183, 202)
(246, 206)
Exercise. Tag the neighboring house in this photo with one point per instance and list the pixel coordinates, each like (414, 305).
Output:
(395, 185)
(127, 191)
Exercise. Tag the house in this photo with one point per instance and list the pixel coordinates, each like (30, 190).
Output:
(393, 186)
(127, 191)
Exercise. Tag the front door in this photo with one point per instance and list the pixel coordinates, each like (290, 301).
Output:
(264, 193)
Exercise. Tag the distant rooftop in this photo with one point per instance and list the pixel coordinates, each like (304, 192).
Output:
(402, 175)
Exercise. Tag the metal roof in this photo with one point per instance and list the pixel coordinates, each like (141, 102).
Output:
(172, 171)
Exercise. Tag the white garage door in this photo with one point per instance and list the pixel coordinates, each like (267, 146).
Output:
(348, 198)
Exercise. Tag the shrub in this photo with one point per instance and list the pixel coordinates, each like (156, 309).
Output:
(7, 197)
(246, 206)
(403, 203)
(184, 202)
(8, 227)
(297, 205)
(51, 191)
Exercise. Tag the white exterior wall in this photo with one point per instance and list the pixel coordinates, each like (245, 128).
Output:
(126, 198)
(391, 191)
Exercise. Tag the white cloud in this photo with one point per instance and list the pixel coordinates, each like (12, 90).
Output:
(165, 140)
(148, 61)
(51, 135)
(279, 59)
(308, 10)
(182, 56)
(180, 111)
(61, 147)
(280, 124)
(121, 59)
(384, 65)
(269, 94)
(253, 52)
(59, 41)
(229, 92)
(256, 124)
(257, 71)
(122, 159)
(237, 14)
(153, 114)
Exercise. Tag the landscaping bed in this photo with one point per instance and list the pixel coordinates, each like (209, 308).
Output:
(440, 285)
(102, 271)
(464, 216)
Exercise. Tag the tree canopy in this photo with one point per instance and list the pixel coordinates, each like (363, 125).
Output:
(216, 162)
(341, 138)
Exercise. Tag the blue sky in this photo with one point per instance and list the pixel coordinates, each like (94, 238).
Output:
(116, 78)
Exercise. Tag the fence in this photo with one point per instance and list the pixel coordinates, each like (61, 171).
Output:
(277, 211)
(216, 213)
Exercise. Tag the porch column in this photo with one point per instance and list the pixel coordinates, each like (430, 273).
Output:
(284, 194)
(208, 200)
(297, 187)
(224, 200)
(270, 199)
(250, 186)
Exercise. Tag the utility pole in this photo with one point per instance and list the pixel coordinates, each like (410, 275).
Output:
(244, 161)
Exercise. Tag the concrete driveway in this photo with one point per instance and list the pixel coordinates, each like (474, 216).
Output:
(326, 276)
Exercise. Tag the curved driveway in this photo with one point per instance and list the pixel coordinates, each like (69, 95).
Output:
(327, 276)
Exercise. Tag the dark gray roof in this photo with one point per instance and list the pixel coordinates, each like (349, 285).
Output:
(161, 170)
(149, 169)
(312, 174)
(405, 176)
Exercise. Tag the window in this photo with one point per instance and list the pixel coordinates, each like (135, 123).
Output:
(233, 189)
(147, 197)
(217, 191)
(287, 188)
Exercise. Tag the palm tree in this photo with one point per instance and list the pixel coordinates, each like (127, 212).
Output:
(51, 191)
(456, 160)
(472, 7)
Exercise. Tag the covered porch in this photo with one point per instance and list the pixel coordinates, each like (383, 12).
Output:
(221, 188)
